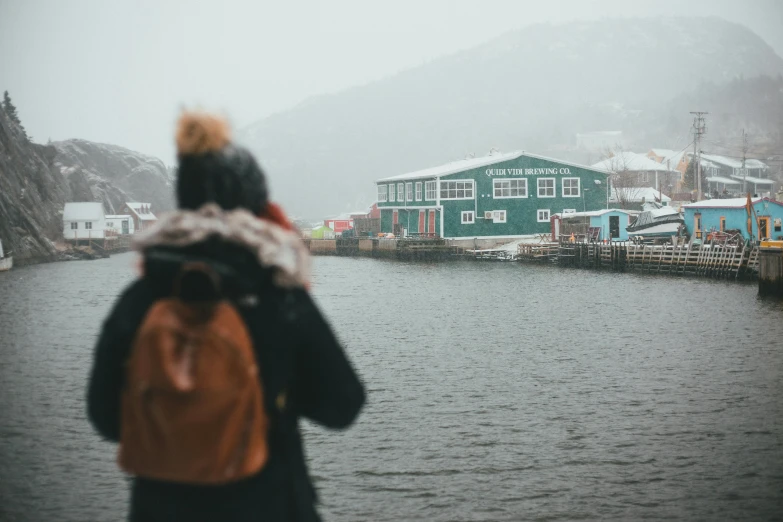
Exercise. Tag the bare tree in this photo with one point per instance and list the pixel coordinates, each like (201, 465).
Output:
(624, 183)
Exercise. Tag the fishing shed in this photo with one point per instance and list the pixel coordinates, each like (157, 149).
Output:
(608, 224)
(84, 220)
(720, 215)
(492, 197)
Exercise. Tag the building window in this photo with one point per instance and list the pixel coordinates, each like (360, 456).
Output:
(88, 225)
(381, 193)
(569, 211)
(722, 224)
(400, 192)
(429, 191)
(499, 216)
(468, 218)
(456, 189)
(571, 187)
(74, 225)
(509, 188)
(543, 215)
(418, 191)
(391, 193)
(409, 192)
(546, 187)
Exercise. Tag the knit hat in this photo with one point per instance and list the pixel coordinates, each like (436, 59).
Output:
(214, 170)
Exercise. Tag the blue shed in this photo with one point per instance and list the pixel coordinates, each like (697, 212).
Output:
(610, 222)
(715, 215)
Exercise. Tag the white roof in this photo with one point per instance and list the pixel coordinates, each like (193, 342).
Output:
(664, 153)
(636, 194)
(596, 213)
(136, 207)
(83, 211)
(474, 163)
(755, 181)
(734, 162)
(721, 179)
(721, 203)
(118, 216)
(630, 161)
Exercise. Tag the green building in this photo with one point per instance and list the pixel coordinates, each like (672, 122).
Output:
(497, 196)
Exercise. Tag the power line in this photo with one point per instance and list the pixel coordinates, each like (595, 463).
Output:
(699, 129)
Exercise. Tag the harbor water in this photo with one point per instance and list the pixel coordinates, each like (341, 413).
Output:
(496, 392)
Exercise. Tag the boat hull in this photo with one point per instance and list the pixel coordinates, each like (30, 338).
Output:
(6, 263)
(662, 230)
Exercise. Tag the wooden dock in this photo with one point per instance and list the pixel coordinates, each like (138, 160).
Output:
(727, 257)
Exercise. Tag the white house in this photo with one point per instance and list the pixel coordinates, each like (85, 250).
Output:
(84, 220)
(141, 214)
(120, 224)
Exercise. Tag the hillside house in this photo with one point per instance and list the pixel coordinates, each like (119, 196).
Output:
(142, 215)
(120, 224)
(638, 170)
(726, 175)
(84, 220)
(634, 197)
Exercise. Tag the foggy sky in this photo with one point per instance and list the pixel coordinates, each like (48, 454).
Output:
(117, 71)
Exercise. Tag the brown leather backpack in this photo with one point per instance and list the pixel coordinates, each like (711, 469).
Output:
(192, 407)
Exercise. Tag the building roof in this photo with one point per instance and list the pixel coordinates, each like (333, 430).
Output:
(721, 179)
(734, 162)
(343, 217)
(83, 211)
(118, 216)
(728, 203)
(139, 209)
(637, 194)
(474, 163)
(755, 181)
(630, 161)
(596, 213)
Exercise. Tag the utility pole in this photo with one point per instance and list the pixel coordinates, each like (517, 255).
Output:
(699, 129)
(744, 154)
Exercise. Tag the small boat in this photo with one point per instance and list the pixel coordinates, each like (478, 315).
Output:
(6, 262)
(656, 221)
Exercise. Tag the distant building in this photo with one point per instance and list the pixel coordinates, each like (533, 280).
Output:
(720, 215)
(120, 224)
(637, 196)
(322, 232)
(340, 223)
(84, 220)
(608, 224)
(142, 215)
(727, 174)
(639, 170)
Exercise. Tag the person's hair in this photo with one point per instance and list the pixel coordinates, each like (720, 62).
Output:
(213, 170)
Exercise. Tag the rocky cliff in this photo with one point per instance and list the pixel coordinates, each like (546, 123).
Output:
(37, 180)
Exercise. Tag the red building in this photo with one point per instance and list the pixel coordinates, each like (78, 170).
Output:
(143, 217)
(340, 223)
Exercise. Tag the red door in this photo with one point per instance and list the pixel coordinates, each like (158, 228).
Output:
(396, 217)
(431, 228)
(421, 221)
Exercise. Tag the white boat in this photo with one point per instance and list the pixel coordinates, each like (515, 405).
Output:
(6, 262)
(656, 222)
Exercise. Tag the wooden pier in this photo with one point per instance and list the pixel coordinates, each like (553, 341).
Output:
(726, 257)
(409, 248)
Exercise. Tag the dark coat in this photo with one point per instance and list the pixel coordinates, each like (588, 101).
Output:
(297, 352)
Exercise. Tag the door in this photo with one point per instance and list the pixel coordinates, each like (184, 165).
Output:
(125, 227)
(421, 222)
(763, 228)
(697, 225)
(431, 227)
(614, 227)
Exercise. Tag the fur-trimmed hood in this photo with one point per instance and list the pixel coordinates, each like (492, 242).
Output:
(273, 246)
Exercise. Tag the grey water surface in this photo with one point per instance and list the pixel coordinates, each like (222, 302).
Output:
(496, 392)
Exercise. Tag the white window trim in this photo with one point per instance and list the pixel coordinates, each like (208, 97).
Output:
(554, 187)
(465, 214)
(418, 191)
(527, 188)
(401, 192)
(76, 227)
(383, 191)
(434, 186)
(88, 225)
(578, 187)
(498, 220)
(548, 215)
(392, 193)
(567, 210)
(472, 185)
(409, 191)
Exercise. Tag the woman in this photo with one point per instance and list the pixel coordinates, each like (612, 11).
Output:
(221, 193)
